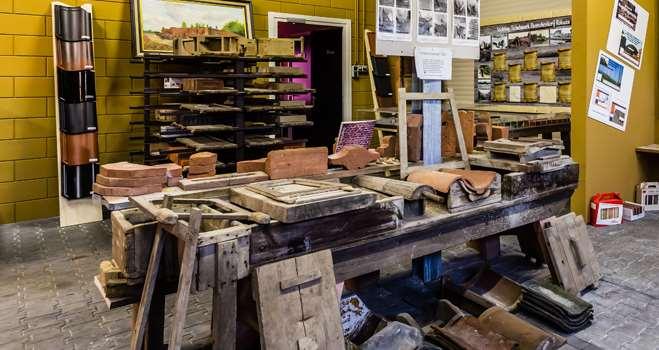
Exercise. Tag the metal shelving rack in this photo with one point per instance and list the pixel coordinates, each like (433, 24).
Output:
(236, 72)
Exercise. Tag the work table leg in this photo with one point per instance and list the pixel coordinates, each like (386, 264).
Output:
(225, 297)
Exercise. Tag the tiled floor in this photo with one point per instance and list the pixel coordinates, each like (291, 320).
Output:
(48, 299)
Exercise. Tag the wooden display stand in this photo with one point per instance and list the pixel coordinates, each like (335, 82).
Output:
(79, 211)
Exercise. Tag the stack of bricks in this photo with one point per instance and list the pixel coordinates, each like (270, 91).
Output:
(202, 165)
(173, 175)
(127, 179)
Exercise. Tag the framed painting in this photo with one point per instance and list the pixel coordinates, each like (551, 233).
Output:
(156, 23)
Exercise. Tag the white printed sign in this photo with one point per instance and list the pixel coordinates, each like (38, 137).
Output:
(433, 63)
(612, 92)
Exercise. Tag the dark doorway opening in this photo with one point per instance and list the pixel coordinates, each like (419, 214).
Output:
(323, 50)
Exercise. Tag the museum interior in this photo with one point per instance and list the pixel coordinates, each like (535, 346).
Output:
(329, 174)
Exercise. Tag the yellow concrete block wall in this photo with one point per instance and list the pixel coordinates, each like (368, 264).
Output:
(28, 165)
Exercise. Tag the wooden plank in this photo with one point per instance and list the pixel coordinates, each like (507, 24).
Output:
(139, 329)
(225, 310)
(320, 307)
(224, 180)
(279, 313)
(185, 279)
(302, 313)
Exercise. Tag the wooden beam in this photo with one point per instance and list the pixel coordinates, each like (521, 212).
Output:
(139, 329)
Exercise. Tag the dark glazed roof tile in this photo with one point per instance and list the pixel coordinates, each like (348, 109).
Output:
(72, 23)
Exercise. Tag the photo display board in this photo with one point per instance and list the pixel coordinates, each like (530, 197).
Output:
(527, 62)
(403, 25)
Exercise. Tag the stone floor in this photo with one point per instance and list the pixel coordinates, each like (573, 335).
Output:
(48, 299)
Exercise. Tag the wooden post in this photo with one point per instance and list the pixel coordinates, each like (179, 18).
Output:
(225, 295)
(432, 124)
(185, 279)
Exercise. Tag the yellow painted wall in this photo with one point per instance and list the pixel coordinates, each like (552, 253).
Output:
(608, 158)
(28, 165)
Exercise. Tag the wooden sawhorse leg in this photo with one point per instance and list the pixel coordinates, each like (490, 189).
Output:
(225, 296)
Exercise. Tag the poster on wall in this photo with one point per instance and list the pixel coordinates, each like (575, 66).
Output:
(433, 21)
(394, 20)
(544, 44)
(629, 25)
(466, 22)
(612, 92)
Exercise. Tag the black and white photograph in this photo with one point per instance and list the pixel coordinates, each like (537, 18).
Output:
(499, 41)
(403, 3)
(560, 36)
(474, 29)
(425, 5)
(441, 6)
(484, 92)
(485, 46)
(484, 73)
(519, 40)
(459, 27)
(441, 25)
(539, 37)
(459, 8)
(387, 21)
(473, 8)
(386, 2)
(403, 20)
(425, 23)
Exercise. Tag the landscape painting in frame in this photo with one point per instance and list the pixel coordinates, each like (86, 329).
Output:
(156, 23)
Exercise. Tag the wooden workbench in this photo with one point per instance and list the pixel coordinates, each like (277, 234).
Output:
(415, 236)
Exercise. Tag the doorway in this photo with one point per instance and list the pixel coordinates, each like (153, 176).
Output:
(327, 69)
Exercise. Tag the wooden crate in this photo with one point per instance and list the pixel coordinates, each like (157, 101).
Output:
(132, 238)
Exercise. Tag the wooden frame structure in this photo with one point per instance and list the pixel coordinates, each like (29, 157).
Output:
(403, 98)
